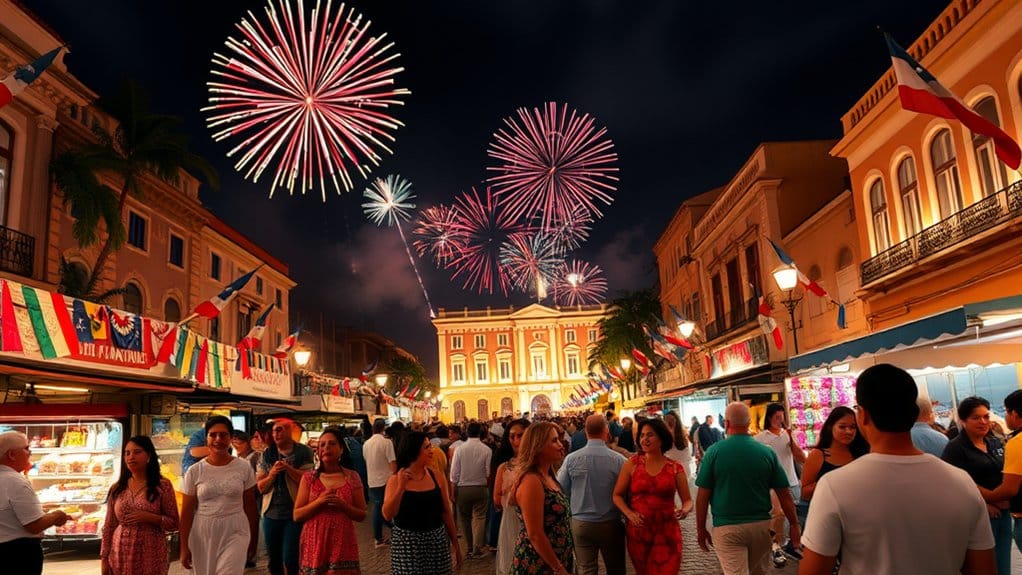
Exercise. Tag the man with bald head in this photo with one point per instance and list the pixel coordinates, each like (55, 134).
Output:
(588, 477)
(735, 478)
(924, 436)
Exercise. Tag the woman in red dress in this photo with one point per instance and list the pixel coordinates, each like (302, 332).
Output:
(329, 501)
(645, 495)
(140, 510)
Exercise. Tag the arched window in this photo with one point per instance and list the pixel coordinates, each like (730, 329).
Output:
(845, 258)
(507, 407)
(459, 411)
(881, 222)
(847, 276)
(132, 298)
(483, 407)
(6, 161)
(945, 174)
(171, 310)
(908, 188)
(991, 170)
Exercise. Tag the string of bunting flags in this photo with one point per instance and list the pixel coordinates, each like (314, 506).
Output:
(50, 326)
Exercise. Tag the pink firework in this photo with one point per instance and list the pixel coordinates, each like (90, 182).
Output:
(552, 161)
(579, 283)
(569, 233)
(532, 263)
(482, 227)
(434, 235)
(306, 100)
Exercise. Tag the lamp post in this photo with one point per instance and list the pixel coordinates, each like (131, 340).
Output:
(302, 357)
(626, 365)
(381, 379)
(787, 279)
(686, 328)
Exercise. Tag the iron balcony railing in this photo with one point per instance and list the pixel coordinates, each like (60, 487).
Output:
(737, 317)
(960, 226)
(17, 252)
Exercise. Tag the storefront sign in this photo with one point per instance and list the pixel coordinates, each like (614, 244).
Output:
(338, 404)
(739, 356)
(262, 383)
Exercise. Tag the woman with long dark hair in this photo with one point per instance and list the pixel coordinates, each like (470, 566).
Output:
(840, 444)
(419, 504)
(329, 501)
(141, 508)
(505, 460)
(680, 449)
(218, 514)
(544, 544)
(645, 494)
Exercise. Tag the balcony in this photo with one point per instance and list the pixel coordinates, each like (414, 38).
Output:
(736, 318)
(17, 251)
(956, 229)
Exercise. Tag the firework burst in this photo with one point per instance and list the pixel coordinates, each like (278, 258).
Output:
(579, 283)
(552, 161)
(390, 200)
(482, 227)
(569, 233)
(306, 100)
(531, 262)
(434, 235)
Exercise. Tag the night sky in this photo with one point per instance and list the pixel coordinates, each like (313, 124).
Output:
(686, 90)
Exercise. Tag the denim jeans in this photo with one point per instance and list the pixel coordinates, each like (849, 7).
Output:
(282, 536)
(376, 502)
(1001, 527)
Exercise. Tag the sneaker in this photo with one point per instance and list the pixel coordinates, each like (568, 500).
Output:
(380, 544)
(792, 552)
(778, 557)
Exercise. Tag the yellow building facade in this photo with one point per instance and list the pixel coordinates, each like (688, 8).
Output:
(511, 361)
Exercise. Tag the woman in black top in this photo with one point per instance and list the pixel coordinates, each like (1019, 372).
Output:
(840, 443)
(981, 455)
(420, 507)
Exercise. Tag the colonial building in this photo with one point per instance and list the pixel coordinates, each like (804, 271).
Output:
(938, 216)
(719, 263)
(177, 253)
(510, 361)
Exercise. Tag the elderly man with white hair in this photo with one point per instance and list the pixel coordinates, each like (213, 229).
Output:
(735, 478)
(925, 437)
(22, 520)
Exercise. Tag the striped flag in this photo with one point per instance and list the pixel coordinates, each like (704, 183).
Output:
(255, 335)
(16, 83)
(10, 338)
(213, 306)
(919, 91)
(26, 331)
(809, 284)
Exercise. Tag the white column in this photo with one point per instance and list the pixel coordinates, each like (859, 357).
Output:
(445, 367)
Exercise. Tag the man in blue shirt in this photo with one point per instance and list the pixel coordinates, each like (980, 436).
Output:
(924, 437)
(588, 477)
(195, 451)
(578, 438)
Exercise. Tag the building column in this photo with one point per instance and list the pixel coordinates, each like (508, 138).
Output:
(39, 200)
(445, 366)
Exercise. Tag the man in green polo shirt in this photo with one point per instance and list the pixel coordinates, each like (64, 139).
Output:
(736, 477)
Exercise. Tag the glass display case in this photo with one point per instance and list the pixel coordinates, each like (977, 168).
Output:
(170, 436)
(74, 464)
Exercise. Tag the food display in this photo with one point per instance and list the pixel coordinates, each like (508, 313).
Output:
(74, 466)
(810, 401)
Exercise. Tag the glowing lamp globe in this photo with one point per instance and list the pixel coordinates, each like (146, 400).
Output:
(686, 328)
(302, 357)
(786, 277)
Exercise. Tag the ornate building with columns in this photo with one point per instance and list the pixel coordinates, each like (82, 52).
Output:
(510, 361)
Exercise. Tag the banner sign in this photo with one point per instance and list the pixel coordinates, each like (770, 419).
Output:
(739, 356)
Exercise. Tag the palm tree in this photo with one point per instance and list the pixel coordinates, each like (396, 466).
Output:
(74, 280)
(621, 329)
(143, 143)
(404, 371)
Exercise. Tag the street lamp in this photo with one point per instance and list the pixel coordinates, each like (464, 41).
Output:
(686, 328)
(381, 379)
(626, 363)
(429, 394)
(302, 357)
(787, 278)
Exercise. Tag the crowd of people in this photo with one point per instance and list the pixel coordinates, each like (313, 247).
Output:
(888, 491)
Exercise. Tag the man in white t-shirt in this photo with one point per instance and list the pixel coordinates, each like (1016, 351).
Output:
(896, 509)
(381, 463)
(776, 437)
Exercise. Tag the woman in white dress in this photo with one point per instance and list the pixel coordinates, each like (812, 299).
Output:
(218, 514)
(509, 523)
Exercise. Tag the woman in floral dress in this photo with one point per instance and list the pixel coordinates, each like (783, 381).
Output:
(140, 510)
(645, 493)
(329, 501)
(544, 544)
